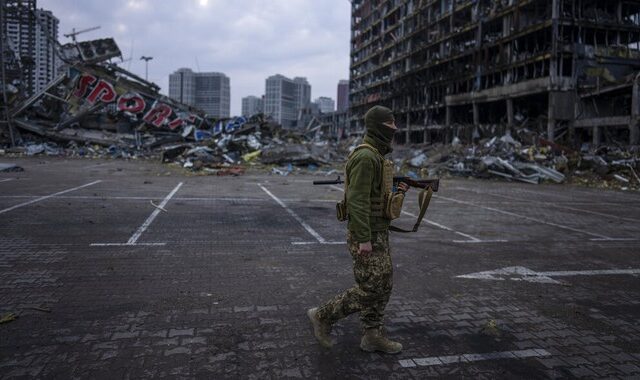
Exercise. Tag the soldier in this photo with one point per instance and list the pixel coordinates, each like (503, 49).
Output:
(367, 239)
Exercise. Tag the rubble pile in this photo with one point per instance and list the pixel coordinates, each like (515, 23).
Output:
(98, 109)
(508, 158)
(257, 142)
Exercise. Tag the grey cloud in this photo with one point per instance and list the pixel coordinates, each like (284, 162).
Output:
(248, 40)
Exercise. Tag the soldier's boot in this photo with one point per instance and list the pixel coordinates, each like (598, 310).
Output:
(320, 329)
(374, 340)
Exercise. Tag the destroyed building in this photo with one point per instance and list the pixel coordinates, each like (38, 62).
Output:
(18, 41)
(567, 69)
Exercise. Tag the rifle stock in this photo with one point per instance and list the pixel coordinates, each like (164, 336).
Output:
(434, 184)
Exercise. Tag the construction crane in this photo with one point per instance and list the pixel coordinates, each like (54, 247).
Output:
(73, 33)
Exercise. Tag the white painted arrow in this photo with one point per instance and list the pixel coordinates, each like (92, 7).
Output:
(526, 274)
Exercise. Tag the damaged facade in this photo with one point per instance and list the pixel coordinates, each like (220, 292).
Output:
(567, 69)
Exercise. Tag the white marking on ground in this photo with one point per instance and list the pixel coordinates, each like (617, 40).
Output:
(6, 180)
(304, 224)
(556, 205)
(315, 242)
(47, 197)
(480, 241)
(526, 218)
(468, 358)
(184, 199)
(128, 245)
(134, 238)
(528, 275)
(610, 195)
(471, 238)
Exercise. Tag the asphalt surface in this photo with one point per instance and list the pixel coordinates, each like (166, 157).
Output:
(120, 269)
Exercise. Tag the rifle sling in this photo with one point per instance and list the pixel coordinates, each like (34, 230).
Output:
(424, 197)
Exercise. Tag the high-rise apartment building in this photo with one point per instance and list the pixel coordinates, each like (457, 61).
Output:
(210, 92)
(448, 67)
(30, 35)
(343, 95)
(326, 104)
(182, 86)
(252, 105)
(284, 98)
(303, 92)
(46, 60)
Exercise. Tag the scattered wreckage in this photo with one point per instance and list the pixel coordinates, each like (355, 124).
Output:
(96, 108)
(542, 161)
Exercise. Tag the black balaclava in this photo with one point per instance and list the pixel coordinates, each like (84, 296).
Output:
(378, 134)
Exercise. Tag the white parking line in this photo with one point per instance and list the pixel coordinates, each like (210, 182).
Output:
(6, 180)
(128, 245)
(557, 206)
(307, 227)
(315, 242)
(468, 358)
(472, 239)
(134, 238)
(597, 236)
(186, 199)
(47, 197)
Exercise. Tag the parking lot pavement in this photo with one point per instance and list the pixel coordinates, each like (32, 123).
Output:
(119, 269)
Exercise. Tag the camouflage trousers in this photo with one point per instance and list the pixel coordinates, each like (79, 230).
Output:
(374, 281)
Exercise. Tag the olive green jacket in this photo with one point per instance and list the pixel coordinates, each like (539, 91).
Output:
(364, 175)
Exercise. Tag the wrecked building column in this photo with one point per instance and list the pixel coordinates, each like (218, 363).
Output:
(551, 130)
(476, 114)
(407, 139)
(634, 134)
(510, 116)
(553, 72)
(425, 131)
(448, 117)
(551, 121)
(634, 127)
(596, 137)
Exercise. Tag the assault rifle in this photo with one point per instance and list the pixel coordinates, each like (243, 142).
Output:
(428, 187)
(433, 184)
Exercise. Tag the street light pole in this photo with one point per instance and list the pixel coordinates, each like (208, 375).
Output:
(146, 66)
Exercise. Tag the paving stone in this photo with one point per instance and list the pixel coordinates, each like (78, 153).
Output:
(178, 351)
(125, 335)
(139, 311)
(628, 369)
(180, 332)
(582, 372)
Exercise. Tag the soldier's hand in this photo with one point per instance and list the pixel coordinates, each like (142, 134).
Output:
(365, 248)
(403, 187)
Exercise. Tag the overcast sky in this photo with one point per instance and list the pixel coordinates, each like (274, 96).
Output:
(248, 40)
